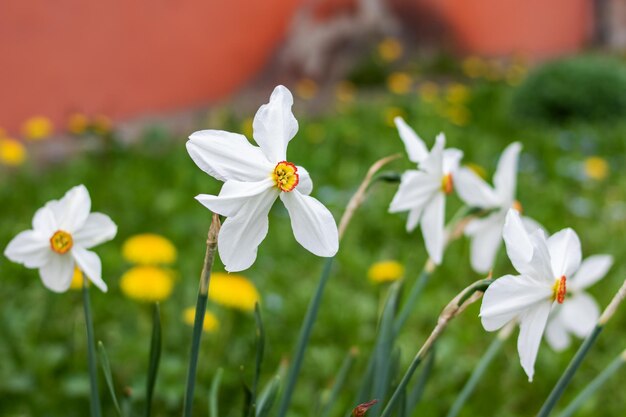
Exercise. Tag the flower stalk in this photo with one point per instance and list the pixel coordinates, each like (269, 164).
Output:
(94, 401)
(574, 364)
(203, 291)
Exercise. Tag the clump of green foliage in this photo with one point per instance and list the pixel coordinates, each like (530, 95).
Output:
(587, 87)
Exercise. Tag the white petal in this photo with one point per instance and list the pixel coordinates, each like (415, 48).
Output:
(541, 262)
(432, 225)
(413, 218)
(29, 248)
(416, 190)
(532, 325)
(414, 145)
(228, 156)
(241, 234)
(517, 240)
(451, 160)
(72, 210)
(556, 334)
(505, 178)
(433, 163)
(233, 195)
(531, 225)
(508, 297)
(580, 313)
(90, 264)
(56, 275)
(274, 125)
(97, 229)
(565, 253)
(313, 225)
(590, 271)
(486, 238)
(44, 222)
(473, 190)
(305, 184)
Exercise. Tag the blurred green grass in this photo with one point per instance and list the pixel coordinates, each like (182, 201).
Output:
(149, 187)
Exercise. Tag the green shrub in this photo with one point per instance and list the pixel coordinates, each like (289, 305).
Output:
(580, 88)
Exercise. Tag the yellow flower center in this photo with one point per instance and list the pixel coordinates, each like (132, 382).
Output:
(559, 289)
(447, 184)
(61, 242)
(286, 176)
(517, 206)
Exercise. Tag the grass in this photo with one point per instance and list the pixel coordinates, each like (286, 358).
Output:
(149, 187)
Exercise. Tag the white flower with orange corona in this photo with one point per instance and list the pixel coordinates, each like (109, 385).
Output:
(63, 232)
(254, 177)
(545, 266)
(423, 191)
(486, 233)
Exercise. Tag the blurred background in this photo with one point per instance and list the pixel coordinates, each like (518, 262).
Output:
(106, 93)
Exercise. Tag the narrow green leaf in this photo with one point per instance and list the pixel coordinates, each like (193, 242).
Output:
(268, 397)
(94, 403)
(155, 356)
(416, 290)
(213, 395)
(340, 381)
(415, 396)
(106, 369)
(260, 349)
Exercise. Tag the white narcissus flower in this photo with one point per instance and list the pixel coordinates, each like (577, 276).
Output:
(423, 191)
(486, 233)
(63, 231)
(254, 177)
(579, 312)
(545, 266)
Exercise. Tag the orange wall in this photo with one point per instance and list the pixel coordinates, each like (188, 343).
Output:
(127, 57)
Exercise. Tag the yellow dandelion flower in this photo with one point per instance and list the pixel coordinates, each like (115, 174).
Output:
(149, 249)
(457, 93)
(37, 128)
(390, 49)
(385, 271)
(147, 283)
(596, 168)
(391, 113)
(12, 152)
(77, 123)
(429, 92)
(474, 67)
(306, 88)
(77, 280)
(399, 82)
(102, 124)
(458, 115)
(233, 290)
(478, 170)
(246, 127)
(210, 324)
(345, 92)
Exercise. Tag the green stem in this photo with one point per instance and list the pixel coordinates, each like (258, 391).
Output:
(480, 369)
(594, 385)
(303, 339)
(198, 323)
(96, 408)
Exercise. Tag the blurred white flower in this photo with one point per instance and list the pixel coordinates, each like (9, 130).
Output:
(423, 191)
(545, 265)
(486, 233)
(254, 177)
(63, 231)
(579, 312)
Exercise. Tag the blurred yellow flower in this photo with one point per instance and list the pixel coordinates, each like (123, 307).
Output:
(210, 323)
(457, 93)
(77, 123)
(385, 271)
(391, 113)
(37, 128)
(306, 88)
(478, 170)
(246, 127)
(399, 82)
(474, 67)
(12, 152)
(102, 124)
(596, 168)
(233, 290)
(149, 249)
(458, 115)
(345, 92)
(147, 283)
(77, 280)
(429, 91)
(390, 49)
(515, 74)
